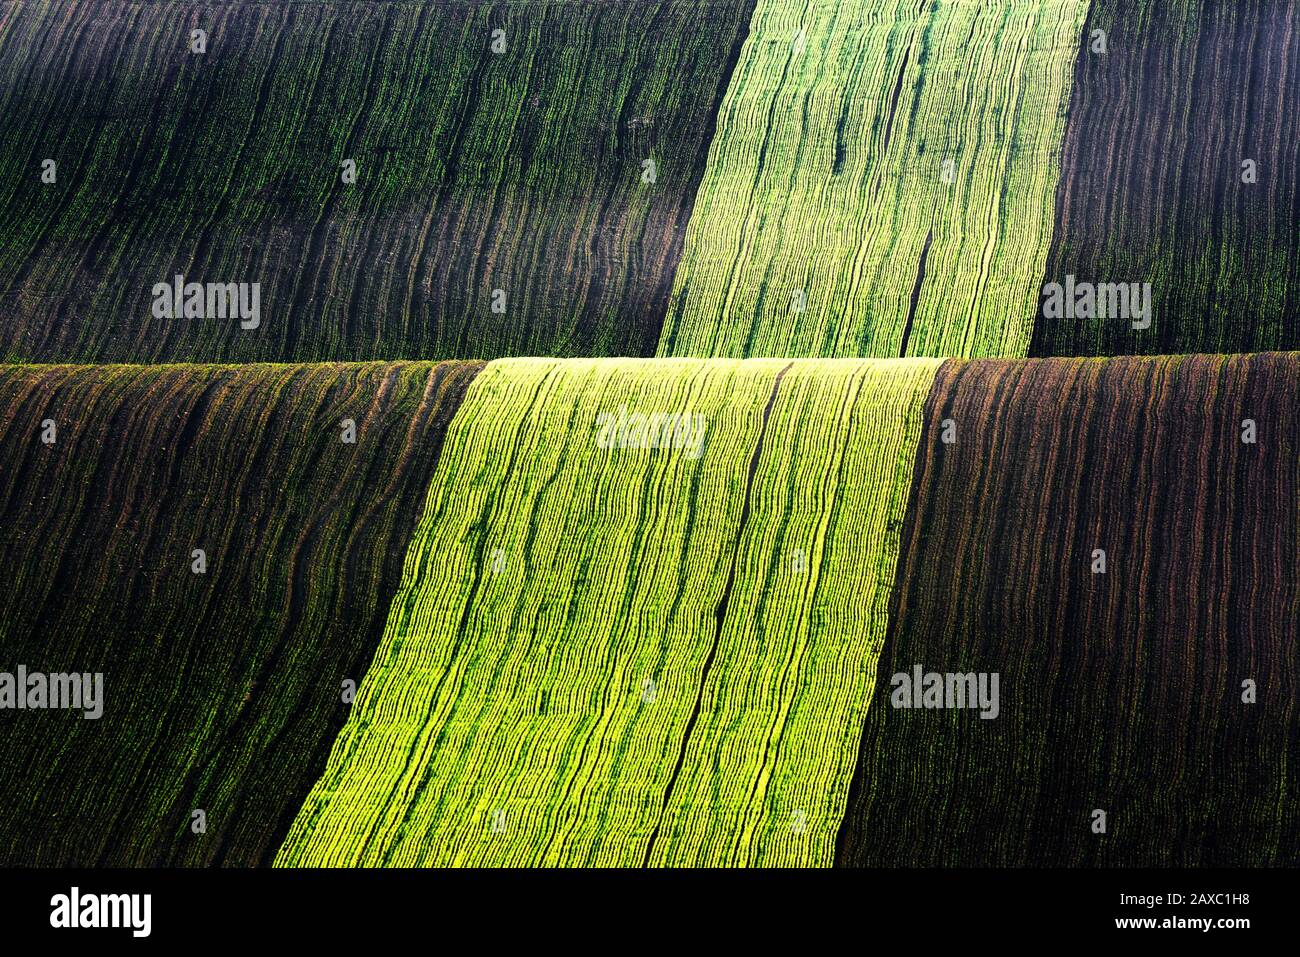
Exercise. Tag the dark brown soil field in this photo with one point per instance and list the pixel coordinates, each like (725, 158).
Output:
(1120, 691)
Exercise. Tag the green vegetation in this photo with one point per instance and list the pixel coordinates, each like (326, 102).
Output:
(222, 680)
(882, 182)
(617, 656)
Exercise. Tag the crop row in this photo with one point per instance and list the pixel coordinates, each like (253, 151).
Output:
(1181, 168)
(630, 654)
(498, 202)
(1117, 540)
(881, 182)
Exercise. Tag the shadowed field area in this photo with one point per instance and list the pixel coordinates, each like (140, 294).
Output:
(222, 689)
(1120, 690)
(476, 171)
(1152, 183)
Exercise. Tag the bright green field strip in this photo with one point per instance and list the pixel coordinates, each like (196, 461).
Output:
(766, 774)
(497, 691)
(602, 656)
(882, 181)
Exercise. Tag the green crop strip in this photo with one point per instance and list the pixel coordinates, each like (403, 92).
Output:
(222, 680)
(485, 161)
(882, 181)
(610, 654)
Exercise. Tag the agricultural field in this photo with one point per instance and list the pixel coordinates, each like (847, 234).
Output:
(222, 672)
(1181, 169)
(501, 205)
(697, 178)
(881, 183)
(604, 653)
(568, 433)
(630, 612)
(1154, 682)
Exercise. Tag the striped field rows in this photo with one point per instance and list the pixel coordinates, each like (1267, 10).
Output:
(1181, 168)
(649, 612)
(1117, 540)
(205, 539)
(882, 181)
(695, 178)
(497, 146)
(618, 656)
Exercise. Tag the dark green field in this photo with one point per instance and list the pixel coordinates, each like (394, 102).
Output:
(222, 689)
(1122, 685)
(476, 171)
